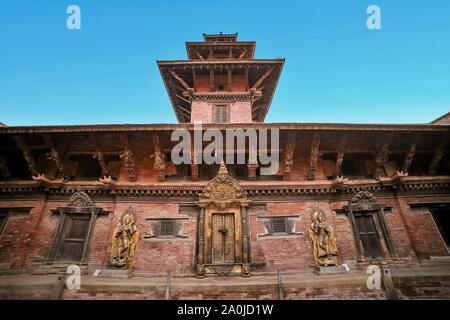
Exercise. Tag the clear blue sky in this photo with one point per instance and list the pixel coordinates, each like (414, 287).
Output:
(336, 69)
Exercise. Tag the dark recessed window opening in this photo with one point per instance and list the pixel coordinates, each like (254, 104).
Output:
(88, 168)
(17, 165)
(442, 217)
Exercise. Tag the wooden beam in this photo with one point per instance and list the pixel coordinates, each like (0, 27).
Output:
(188, 112)
(229, 78)
(199, 55)
(212, 86)
(54, 155)
(409, 156)
(179, 79)
(263, 77)
(314, 156)
(184, 99)
(340, 156)
(99, 155)
(242, 55)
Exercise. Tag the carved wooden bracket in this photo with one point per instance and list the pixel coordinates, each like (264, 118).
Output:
(128, 159)
(340, 156)
(381, 159)
(314, 156)
(289, 155)
(409, 156)
(437, 156)
(54, 155)
(160, 162)
(99, 156)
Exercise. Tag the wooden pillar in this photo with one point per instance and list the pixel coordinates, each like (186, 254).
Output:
(230, 78)
(201, 244)
(245, 243)
(212, 86)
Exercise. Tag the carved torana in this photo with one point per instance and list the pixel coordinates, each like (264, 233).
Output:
(80, 199)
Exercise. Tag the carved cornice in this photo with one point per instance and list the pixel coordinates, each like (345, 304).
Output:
(409, 184)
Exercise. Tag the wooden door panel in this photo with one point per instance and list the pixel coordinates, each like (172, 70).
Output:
(73, 239)
(368, 235)
(223, 238)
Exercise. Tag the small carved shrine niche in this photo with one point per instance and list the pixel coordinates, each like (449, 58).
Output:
(77, 219)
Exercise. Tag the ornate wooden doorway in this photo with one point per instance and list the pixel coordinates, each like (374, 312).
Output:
(223, 242)
(223, 233)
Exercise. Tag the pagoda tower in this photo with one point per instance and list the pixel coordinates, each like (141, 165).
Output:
(221, 82)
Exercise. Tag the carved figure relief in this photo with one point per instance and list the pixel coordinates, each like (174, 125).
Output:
(323, 241)
(124, 242)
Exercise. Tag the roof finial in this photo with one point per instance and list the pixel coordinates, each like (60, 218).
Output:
(223, 169)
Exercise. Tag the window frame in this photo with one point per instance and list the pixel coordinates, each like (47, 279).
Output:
(226, 107)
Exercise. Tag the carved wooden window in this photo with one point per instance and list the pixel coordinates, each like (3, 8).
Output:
(221, 113)
(279, 225)
(168, 228)
(365, 224)
(165, 228)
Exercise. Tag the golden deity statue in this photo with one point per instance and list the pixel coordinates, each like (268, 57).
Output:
(124, 241)
(323, 241)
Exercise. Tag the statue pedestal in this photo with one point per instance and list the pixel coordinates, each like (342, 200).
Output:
(331, 270)
(116, 273)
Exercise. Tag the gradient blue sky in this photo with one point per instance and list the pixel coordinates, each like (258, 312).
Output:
(336, 69)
